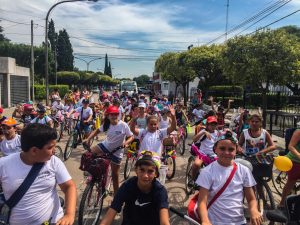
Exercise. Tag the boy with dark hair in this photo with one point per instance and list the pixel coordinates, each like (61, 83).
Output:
(146, 200)
(40, 204)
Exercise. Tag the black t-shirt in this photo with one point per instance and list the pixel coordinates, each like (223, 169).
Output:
(140, 208)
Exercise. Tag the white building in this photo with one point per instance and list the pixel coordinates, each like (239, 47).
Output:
(14, 82)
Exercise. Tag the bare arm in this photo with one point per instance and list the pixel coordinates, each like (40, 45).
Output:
(255, 216)
(69, 189)
(109, 217)
(92, 135)
(133, 128)
(202, 209)
(294, 141)
(173, 122)
(164, 217)
(199, 135)
(271, 146)
(228, 107)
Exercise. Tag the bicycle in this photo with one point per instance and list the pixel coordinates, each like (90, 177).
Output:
(131, 157)
(98, 183)
(191, 220)
(190, 186)
(180, 143)
(75, 139)
(59, 153)
(58, 125)
(168, 159)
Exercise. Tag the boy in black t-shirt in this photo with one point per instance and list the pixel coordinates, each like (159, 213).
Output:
(146, 200)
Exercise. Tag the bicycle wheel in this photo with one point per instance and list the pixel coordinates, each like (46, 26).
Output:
(61, 130)
(181, 145)
(91, 204)
(71, 145)
(264, 197)
(279, 179)
(171, 163)
(59, 153)
(189, 182)
(128, 166)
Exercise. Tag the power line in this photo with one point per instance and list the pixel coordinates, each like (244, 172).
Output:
(22, 14)
(253, 18)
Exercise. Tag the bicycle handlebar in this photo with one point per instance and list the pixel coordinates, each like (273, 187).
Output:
(184, 216)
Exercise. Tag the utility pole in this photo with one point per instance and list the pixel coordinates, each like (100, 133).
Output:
(227, 13)
(32, 62)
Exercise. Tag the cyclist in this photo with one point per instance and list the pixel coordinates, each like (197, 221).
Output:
(116, 131)
(141, 121)
(42, 118)
(151, 138)
(116, 102)
(145, 199)
(256, 140)
(12, 141)
(205, 141)
(198, 113)
(86, 116)
(228, 206)
(54, 94)
(180, 115)
(294, 173)
(220, 113)
(40, 204)
(164, 119)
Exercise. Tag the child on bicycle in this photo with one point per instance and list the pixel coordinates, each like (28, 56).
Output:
(227, 208)
(116, 131)
(151, 138)
(145, 199)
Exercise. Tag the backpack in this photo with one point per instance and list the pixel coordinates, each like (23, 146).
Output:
(287, 137)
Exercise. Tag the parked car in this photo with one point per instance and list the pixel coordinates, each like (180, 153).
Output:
(142, 90)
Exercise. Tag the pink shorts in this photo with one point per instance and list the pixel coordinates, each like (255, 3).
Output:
(294, 173)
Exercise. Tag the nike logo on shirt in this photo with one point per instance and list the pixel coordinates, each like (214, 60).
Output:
(141, 204)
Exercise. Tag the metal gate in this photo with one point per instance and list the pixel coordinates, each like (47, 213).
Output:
(18, 89)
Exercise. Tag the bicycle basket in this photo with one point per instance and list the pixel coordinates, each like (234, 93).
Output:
(262, 166)
(97, 167)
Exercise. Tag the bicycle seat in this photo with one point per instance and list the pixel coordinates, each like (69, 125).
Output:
(277, 215)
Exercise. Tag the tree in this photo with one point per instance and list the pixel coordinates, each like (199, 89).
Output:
(267, 56)
(65, 58)
(109, 72)
(68, 77)
(2, 37)
(142, 80)
(52, 36)
(173, 67)
(106, 69)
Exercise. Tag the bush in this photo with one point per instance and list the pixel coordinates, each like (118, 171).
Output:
(40, 90)
(68, 77)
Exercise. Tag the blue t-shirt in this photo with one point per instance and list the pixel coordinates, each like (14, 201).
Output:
(140, 208)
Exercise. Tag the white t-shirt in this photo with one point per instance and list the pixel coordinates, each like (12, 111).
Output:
(41, 201)
(164, 123)
(57, 106)
(128, 109)
(121, 111)
(152, 141)
(228, 208)
(8, 147)
(115, 136)
(207, 145)
(86, 113)
(44, 120)
(199, 114)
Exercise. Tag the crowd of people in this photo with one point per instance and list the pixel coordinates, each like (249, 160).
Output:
(150, 122)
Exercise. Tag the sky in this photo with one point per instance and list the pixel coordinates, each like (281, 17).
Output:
(135, 32)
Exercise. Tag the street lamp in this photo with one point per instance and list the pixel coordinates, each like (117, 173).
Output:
(264, 96)
(87, 62)
(46, 43)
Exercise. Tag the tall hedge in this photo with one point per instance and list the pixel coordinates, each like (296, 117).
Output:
(40, 90)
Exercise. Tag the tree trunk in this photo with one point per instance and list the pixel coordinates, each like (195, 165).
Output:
(175, 94)
(184, 93)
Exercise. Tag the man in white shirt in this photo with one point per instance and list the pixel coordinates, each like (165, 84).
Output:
(42, 118)
(41, 203)
(12, 142)
(198, 113)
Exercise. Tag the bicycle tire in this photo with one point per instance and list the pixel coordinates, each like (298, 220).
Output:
(128, 166)
(182, 146)
(188, 176)
(265, 202)
(172, 168)
(279, 180)
(61, 130)
(85, 204)
(59, 153)
(71, 144)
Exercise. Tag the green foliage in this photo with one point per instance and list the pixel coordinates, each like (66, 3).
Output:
(106, 69)
(52, 36)
(65, 58)
(68, 77)
(142, 80)
(40, 90)
(227, 89)
(2, 37)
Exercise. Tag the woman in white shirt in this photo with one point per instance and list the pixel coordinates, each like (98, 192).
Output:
(228, 207)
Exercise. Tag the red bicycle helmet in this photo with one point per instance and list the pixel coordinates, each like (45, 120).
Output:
(112, 110)
(27, 107)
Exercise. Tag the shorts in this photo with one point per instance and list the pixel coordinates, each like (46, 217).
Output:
(85, 127)
(114, 159)
(294, 173)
